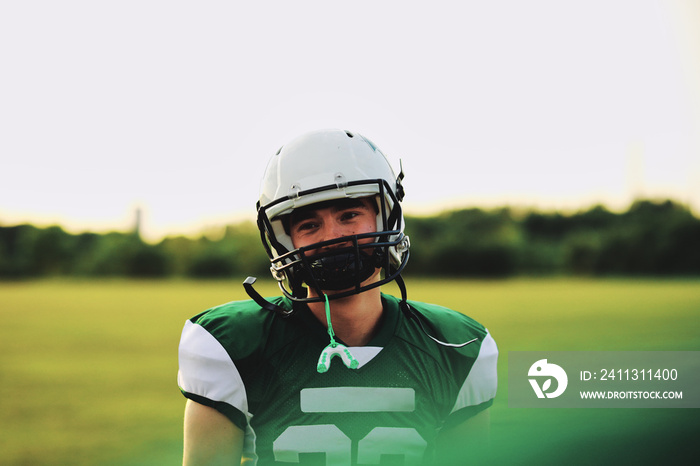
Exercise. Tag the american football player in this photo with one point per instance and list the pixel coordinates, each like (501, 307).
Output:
(333, 371)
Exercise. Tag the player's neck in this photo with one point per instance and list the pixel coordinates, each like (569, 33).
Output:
(355, 318)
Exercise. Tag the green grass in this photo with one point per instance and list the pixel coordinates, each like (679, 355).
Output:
(87, 368)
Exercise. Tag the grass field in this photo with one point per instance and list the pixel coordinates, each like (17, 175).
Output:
(87, 368)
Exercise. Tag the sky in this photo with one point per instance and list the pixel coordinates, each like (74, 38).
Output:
(174, 107)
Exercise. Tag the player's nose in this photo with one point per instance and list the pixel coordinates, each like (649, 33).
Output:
(332, 231)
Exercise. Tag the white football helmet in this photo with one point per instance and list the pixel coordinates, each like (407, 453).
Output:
(323, 166)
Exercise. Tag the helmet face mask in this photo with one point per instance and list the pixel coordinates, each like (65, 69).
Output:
(333, 165)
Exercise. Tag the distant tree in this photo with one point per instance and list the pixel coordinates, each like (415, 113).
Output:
(653, 238)
(52, 251)
(181, 252)
(145, 261)
(17, 251)
(650, 238)
(210, 264)
(469, 242)
(111, 255)
(550, 226)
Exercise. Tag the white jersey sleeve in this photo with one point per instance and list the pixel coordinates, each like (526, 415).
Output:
(480, 385)
(206, 372)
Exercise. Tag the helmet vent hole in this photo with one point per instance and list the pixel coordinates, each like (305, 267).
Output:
(349, 134)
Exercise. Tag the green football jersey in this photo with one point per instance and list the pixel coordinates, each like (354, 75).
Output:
(259, 369)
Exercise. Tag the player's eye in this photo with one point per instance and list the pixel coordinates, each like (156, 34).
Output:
(306, 226)
(349, 215)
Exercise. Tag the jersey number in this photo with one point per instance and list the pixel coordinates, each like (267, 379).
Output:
(337, 446)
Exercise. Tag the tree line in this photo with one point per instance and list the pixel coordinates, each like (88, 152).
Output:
(650, 238)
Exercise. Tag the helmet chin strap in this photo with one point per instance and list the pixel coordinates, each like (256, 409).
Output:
(262, 302)
(408, 311)
(334, 348)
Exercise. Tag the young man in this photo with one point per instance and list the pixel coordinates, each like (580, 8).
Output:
(334, 372)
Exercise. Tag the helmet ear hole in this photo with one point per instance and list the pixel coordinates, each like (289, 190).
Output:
(286, 223)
